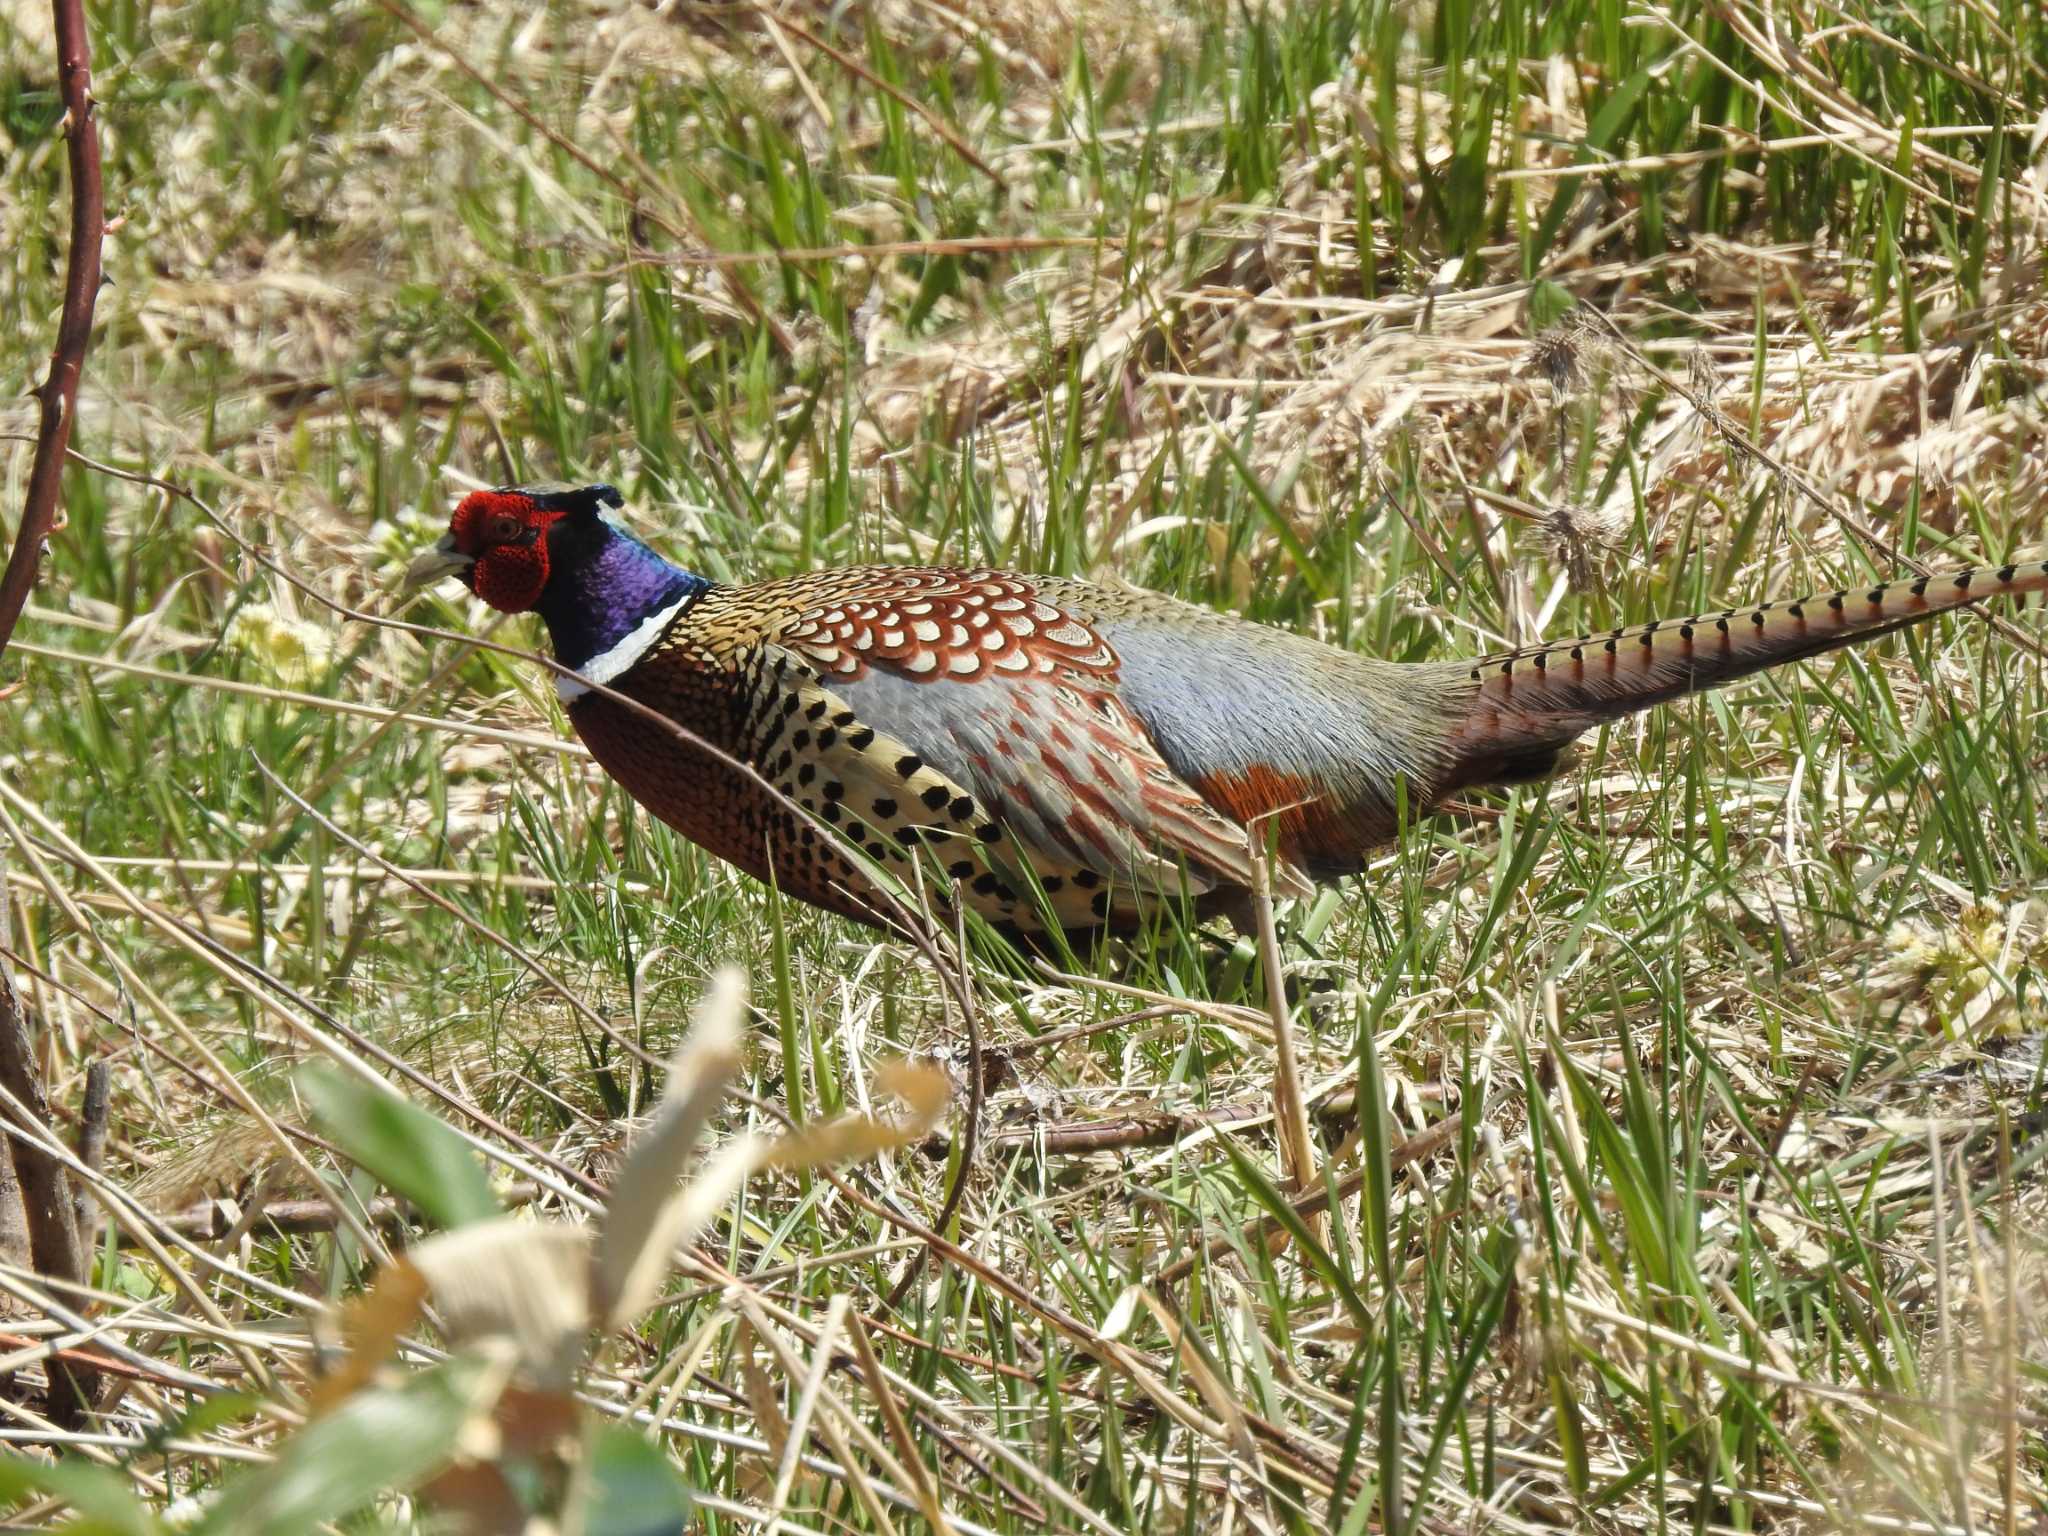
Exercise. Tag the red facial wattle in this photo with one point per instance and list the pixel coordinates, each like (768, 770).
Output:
(511, 577)
(506, 532)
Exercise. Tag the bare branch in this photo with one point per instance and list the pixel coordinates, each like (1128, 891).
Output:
(59, 393)
(45, 1190)
(93, 1113)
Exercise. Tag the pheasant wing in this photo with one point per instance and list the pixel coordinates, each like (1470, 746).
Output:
(1017, 703)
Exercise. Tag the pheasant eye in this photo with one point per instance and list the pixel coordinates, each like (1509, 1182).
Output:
(503, 529)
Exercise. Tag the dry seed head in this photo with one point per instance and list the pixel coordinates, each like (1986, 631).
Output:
(1580, 539)
(1554, 356)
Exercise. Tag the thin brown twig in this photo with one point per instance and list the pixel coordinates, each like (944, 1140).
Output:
(216, 1220)
(45, 1191)
(1290, 1107)
(1120, 1133)
(93, 1113)
(59, 394)
(93, 1360)
(963, 245)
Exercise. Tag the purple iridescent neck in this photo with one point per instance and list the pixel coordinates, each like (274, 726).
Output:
(603, 585)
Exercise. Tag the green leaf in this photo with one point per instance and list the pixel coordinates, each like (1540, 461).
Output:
(1281, 1209)
(383, 1440)
(210, 1413)
(633, 1489)
(1607, 122)
(1277, 520)
(1452, 1399)
(1571, 1427)
(410, 1151)
(1549, 303)
(106, 1505)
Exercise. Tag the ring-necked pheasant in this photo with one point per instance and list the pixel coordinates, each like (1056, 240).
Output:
(1107, 746)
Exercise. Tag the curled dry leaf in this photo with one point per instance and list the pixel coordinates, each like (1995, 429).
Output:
(922, 1087)
(371, 1326)
(647, 1214)
(532, 1292)
(919, 1084)
(687, 1214)
(517, 1280)
(540, 1286)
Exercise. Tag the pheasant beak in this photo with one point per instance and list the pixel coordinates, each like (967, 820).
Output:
(430, 565)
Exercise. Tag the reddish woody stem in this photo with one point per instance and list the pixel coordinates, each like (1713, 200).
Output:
(59, 393)
(45, 1193)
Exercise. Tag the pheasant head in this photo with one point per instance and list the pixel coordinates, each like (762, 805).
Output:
(563, 553)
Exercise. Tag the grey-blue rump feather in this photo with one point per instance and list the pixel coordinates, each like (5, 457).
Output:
(1233, 701)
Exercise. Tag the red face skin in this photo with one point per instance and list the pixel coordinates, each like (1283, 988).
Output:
(507, 534)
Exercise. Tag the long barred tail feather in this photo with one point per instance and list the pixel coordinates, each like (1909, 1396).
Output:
(1524, 706)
